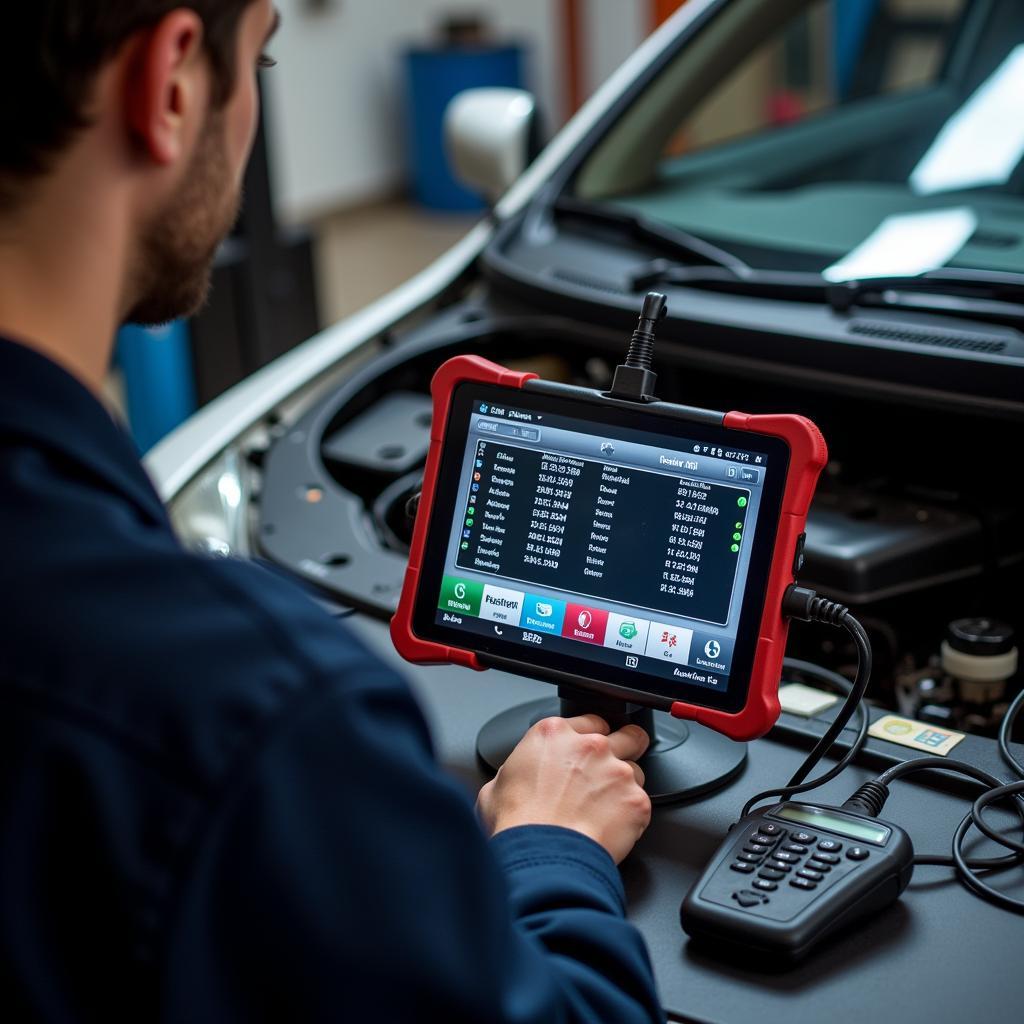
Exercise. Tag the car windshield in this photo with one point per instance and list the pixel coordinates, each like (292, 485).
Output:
(854, 138)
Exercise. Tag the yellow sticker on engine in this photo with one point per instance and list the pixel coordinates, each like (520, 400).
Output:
(918, 735)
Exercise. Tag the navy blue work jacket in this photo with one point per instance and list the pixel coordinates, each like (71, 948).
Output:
(215, 805)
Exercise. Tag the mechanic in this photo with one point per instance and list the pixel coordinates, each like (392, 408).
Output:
(214, 804)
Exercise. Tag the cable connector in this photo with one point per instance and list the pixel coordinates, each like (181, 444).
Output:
(869, 799)
(804, 604)
(634, 379)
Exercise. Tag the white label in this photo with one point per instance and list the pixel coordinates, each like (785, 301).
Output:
(907, 244)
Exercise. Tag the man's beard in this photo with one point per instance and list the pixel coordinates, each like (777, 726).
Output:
(171, 278)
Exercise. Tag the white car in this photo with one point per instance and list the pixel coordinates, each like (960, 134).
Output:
(831, 199)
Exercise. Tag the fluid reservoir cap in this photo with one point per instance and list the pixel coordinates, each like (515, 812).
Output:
(980, 636)
(979, 650)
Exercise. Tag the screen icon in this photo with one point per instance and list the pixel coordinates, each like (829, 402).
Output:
(584, 623)
(460, 596)
(502, 605)
(607, 448)
(543, 614)
(671, 643)
(713, 649)
(632, 661)
(626, 633)
(485, 409)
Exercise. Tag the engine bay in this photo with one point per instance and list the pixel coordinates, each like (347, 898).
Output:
(916, 525)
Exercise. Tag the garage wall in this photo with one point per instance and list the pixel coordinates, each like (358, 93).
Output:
(612, 30)
(335, 102)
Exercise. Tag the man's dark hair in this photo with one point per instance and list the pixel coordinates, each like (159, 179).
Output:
(53, 50)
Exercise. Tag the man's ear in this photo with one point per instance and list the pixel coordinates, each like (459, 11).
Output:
(168, 86)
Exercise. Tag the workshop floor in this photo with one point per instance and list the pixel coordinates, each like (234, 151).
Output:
(362, 254)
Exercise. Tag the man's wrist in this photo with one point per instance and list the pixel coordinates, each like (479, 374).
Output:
(540, 848)
(507, 823)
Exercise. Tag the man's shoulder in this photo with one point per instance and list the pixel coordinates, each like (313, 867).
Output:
(119, 628)
(253, 647)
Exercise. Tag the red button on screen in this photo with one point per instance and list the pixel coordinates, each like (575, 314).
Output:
(585, 623)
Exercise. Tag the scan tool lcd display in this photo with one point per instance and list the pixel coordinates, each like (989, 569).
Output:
(602, 542)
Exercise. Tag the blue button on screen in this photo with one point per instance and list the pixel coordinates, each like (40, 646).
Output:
(543, 614)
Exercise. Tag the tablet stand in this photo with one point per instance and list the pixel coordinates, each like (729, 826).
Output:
(684, 760)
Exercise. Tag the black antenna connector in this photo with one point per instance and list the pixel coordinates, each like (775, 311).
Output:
(634, 379)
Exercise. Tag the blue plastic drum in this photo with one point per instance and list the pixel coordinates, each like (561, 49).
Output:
(159, 379)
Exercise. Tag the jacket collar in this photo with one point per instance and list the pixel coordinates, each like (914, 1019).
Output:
(43, 403)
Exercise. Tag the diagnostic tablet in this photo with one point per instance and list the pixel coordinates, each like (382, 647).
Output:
(639, 550)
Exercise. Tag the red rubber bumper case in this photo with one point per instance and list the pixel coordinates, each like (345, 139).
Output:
(448, 376)
(808, 455)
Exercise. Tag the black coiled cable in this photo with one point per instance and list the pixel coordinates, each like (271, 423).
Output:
(967, 868)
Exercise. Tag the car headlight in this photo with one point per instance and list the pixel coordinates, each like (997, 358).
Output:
(211, 514)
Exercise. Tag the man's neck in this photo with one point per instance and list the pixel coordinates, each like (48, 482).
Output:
(61, 270)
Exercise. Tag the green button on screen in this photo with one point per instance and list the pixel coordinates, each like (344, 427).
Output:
(461, 596)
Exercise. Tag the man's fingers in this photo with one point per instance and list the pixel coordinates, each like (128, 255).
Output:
(590, 723)
(638, 772)
(630, 742)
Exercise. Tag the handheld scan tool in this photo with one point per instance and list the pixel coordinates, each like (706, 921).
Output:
(793, 874)
(632, 551)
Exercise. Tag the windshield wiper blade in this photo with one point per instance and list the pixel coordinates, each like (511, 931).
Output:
(947, 282)
(643, 229)
(996, 296)
(795, 284)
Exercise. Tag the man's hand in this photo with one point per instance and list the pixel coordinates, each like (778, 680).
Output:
(576, 773)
